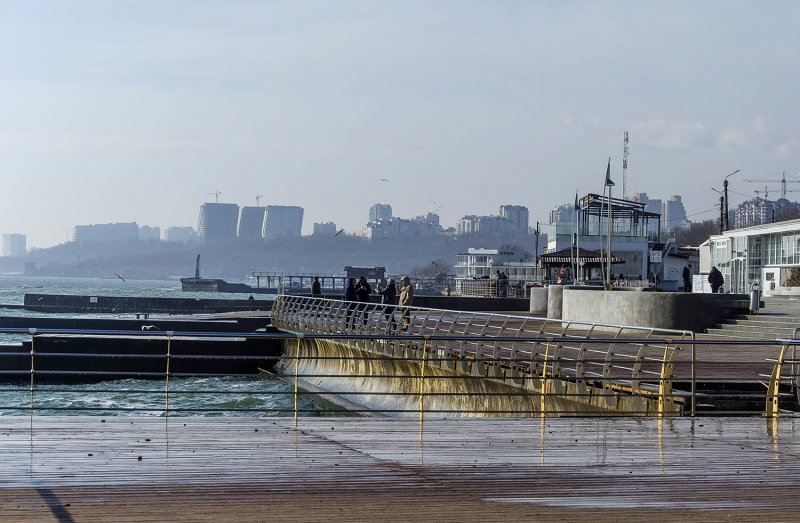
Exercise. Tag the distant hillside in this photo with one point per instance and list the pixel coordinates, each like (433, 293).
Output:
(236, 259)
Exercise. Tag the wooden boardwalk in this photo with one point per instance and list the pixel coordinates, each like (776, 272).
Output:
(379, 469)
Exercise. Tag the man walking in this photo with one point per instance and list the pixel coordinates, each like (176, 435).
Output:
(687, 278)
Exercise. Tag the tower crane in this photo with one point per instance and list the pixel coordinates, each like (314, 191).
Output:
(625, 151)
(765, 192)
(782, 181)
(216, 195)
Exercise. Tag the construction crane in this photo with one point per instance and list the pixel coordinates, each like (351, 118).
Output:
(216, 195)
(765, 192)
(258, 197)
(625, 152)
(782, 181)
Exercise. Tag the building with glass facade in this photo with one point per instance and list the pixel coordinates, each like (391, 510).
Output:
(764, 254)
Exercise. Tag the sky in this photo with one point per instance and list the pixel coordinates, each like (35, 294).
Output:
(141, 110)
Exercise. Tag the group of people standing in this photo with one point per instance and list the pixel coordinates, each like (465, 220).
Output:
(357, 293)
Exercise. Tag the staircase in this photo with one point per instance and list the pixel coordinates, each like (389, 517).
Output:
(778, 319)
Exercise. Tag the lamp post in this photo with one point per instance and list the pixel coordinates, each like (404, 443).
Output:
(725, 190)
(721, 209)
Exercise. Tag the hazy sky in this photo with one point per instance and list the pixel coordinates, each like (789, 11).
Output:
(117, 111)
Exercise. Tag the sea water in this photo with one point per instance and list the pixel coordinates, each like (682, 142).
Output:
(194, 396)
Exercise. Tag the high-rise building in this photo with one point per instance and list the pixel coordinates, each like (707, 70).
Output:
(324, 229)
(674, 214)
(251, 222)
(517, 215)
(217, 221)
(14, 245)
(149, 233)
(380, 212)
(563, 214)
(180, 235)
(654, 205)
(106, 233)
(283, 221)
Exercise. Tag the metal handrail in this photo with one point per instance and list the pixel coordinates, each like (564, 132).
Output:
(301, 314)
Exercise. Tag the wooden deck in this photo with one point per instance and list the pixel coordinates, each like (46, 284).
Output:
(378, 469)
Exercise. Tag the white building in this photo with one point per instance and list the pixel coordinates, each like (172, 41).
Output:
(517, 215)
(180, 234)
(149, 233)
(765, 254)
(427, 225)
(217, 221)
(380, 212)
(106, 232)
(283, 221)
(325, 229)
(14, 245)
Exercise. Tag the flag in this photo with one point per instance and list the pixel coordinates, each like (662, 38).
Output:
(609, 183)
(577, 207)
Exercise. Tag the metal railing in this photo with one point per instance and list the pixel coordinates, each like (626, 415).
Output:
(437, 356)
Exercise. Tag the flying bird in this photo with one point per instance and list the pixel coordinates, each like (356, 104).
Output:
(118, 276)
(340, 232)
(384, 179)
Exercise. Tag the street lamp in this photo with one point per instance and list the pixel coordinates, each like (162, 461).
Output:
(725, 189)
(721, 208)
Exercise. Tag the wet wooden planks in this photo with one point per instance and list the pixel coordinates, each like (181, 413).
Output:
(366, 469)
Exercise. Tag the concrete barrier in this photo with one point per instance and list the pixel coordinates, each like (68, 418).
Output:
(555, 297)
(538, 302)
(664, 310)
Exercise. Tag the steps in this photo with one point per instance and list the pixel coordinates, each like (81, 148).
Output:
(754, 326)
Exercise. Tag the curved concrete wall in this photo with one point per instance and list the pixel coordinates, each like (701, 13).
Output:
(664, 310)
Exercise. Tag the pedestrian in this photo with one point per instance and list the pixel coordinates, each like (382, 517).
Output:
(715, 279)
(687, 278)
(316, 288)
(563, 274)
(388, 298)
(503, 283)
(350, 300)
(363, 290)
(406, 300)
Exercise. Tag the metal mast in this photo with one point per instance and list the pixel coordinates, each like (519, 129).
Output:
(625, 152)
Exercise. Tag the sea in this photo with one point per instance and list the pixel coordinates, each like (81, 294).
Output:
(200, 396)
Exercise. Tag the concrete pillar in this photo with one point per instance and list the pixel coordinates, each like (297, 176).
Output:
(539, 300)
(555, 299)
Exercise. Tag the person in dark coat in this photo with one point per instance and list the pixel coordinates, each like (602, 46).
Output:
(316, 288)
(687, 278)
(363, 290)
(388, 299)
(715, 279)
(350, 300)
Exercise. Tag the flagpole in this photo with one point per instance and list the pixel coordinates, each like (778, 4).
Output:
(609, 184)
(579, 274)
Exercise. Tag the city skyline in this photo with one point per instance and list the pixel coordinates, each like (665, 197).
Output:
(141, 110)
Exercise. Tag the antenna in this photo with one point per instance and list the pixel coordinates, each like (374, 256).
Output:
(625, 152)
(258, 197)
(216, 195)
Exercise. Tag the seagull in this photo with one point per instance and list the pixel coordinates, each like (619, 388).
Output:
(340, 232)
(120, 277)
(384, 179)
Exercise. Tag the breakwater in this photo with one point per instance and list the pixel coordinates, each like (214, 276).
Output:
(68, 303)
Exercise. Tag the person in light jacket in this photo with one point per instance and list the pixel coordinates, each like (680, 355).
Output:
(406, 300)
